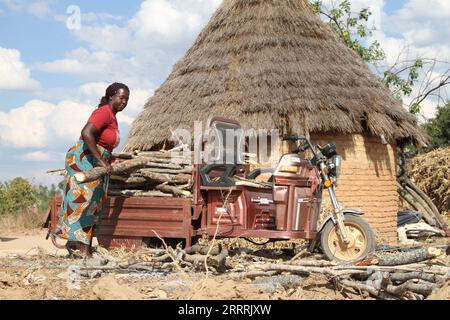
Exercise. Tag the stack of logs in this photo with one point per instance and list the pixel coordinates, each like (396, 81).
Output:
(151, 174)
(147, 174)
(157, 174)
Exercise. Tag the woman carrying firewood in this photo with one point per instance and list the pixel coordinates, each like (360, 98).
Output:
(83, 202)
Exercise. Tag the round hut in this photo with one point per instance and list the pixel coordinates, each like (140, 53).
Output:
(274, 64)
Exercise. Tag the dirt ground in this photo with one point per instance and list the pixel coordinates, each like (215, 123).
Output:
(32, 269)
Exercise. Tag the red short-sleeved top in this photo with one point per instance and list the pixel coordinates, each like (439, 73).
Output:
(105, 121)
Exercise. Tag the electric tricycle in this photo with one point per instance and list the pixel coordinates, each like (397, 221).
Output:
(286, 206)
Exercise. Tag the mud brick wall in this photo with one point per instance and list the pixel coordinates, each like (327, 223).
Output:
(368, 180)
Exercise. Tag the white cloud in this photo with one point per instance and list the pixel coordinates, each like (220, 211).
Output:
(425, 24)
(14, 75)
(85, 17)
(38, 8)
(106, 37)
(92, 16)
(166, 21)
(93, 91)
(39, 124)
(90, 94)
(101, 66)
(158, 24)
(419, 29)
(424, 10)
(143, 50)
(82, 63)
(36, 156)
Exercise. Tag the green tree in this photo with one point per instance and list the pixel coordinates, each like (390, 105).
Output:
(401, 77)
(439, 128)
(44, 195)
(352, 28)
(16, 195)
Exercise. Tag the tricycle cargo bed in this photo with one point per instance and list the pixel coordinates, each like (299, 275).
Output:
(127, 221)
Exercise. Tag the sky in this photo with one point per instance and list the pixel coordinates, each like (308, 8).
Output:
(58, 57)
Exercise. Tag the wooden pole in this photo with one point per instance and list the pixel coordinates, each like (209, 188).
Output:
(118, 168)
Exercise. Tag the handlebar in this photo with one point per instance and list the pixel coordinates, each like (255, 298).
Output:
(294, 137)
(304, 147)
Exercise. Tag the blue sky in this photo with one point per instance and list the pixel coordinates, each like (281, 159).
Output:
(52, 74)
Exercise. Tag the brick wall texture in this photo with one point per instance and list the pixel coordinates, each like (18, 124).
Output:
(368, 180)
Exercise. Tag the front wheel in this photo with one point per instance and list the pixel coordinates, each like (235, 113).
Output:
(362, 240)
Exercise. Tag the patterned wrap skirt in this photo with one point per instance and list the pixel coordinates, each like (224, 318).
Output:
(83, 202)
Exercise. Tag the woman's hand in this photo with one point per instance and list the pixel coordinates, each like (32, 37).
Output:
(107, 166)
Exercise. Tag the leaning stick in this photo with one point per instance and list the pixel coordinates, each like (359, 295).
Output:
(405, 180)
(59, 171)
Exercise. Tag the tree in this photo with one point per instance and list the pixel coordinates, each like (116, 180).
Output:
(44, 195)
(16, 196)
(402, 76)
(351, 28)
(439, 128)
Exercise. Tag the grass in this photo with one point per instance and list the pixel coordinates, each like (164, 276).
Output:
(21, 222)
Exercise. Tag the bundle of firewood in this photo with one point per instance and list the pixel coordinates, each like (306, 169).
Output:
(406, 274)
(390, 274)
(427, 189)
(430, 172)
(147, 174)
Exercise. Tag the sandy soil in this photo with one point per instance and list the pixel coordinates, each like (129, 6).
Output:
(31, 268)
(29, 242)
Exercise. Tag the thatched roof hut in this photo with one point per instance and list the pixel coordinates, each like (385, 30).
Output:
(274, 64)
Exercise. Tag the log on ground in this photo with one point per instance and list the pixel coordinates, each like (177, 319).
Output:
(407, 257)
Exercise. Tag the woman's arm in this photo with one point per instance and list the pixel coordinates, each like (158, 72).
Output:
(88, 134)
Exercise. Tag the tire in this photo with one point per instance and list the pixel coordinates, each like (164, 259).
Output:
(363, 242)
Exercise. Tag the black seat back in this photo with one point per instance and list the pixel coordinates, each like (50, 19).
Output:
(224, 153)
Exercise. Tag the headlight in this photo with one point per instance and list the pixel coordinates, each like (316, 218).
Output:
(334, 167)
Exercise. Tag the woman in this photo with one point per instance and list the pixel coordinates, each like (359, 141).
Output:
(83, 202)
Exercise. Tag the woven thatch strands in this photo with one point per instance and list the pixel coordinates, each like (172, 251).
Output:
(271, 65)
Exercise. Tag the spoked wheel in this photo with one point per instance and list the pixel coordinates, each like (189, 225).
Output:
(361, 236)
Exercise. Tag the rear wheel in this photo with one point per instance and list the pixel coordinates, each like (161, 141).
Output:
(361, 236)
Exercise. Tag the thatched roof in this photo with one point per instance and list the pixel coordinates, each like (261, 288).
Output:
(272, 64)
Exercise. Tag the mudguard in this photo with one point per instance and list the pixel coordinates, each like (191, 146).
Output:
(345, 212)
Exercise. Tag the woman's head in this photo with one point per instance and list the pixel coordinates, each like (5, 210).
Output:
(116, 95)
